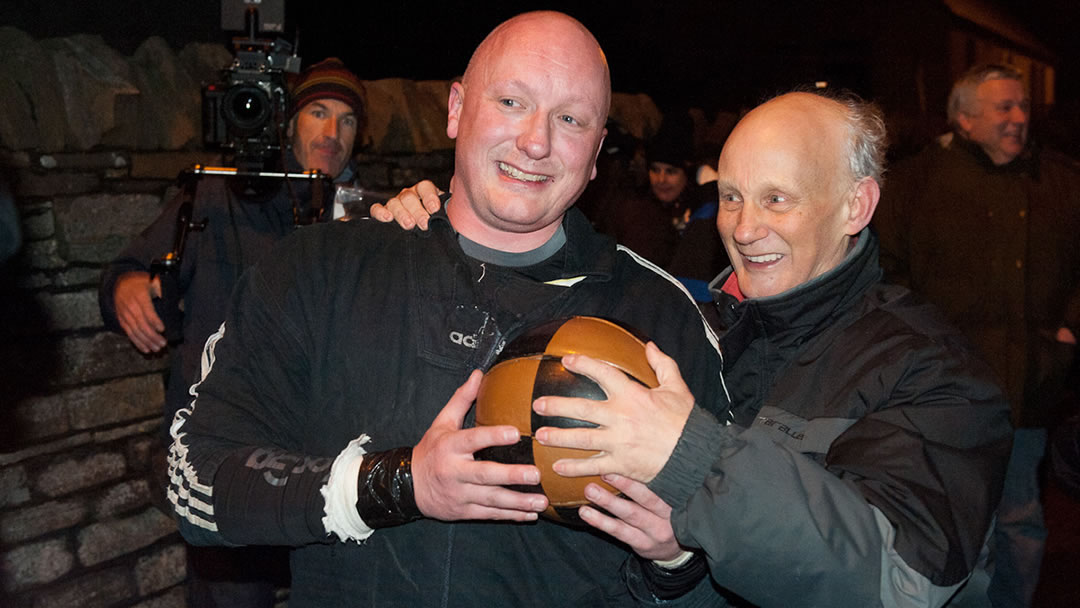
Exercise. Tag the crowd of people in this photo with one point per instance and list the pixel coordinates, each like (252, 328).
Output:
(842, 358)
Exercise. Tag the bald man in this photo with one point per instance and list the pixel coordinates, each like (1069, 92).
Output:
(331, 413)
(865, 447)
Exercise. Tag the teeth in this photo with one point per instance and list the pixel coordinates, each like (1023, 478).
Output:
(516, 174)
(764, 259)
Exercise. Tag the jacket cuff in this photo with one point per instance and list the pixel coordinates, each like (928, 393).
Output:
(670, 583)
(702, 438)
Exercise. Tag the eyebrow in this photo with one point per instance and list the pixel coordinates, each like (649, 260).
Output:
(324, 107)
(520, 84)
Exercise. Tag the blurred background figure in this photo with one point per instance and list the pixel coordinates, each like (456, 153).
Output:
(242, 224)
(984, 223)
(672, 221)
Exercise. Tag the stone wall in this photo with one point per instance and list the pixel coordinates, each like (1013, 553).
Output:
(90, 144)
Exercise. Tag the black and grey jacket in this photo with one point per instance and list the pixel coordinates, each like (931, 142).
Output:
(364, 329)
(241, 226)
(864, 455)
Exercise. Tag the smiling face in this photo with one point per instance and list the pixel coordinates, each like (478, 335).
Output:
(529, 120)
(789, 206)
(322, 135)
(998, 119)
(666, 181)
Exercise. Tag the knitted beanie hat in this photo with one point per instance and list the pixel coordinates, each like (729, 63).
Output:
(328, 79)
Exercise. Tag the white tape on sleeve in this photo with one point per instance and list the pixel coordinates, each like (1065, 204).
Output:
(340, 493)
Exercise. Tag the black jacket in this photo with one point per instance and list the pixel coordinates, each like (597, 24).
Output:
(996, 249)
(240, 229)
(349, 329)
(865, 452)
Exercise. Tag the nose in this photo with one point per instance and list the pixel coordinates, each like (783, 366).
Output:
(749, 227)
(330, 128)
(535, 138)
(1018, 115)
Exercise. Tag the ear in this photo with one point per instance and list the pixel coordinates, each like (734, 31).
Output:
(291, 129)
(862, 205)
(963, 120)
(599, 147)
(453, 109)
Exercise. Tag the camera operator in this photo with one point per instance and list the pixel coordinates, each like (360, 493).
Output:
(243, 219)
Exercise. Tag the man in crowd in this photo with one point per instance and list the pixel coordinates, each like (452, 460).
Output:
(865, 447)
(984, 223)
(327, 417)
(326, 112)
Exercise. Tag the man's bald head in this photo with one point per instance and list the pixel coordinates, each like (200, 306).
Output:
(529, 120)
(798, 180)
(547, 27)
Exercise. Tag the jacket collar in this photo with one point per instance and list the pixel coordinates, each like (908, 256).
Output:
(801, 311)
(1026, 162)
(586, 253)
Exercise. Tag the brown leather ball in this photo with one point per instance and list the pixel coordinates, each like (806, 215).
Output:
(530, 366)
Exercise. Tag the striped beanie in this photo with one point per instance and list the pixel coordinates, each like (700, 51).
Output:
(328, 79)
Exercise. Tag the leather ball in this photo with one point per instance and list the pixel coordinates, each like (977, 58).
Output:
(530, 366)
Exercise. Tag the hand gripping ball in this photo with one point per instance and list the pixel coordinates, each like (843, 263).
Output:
(530, 366)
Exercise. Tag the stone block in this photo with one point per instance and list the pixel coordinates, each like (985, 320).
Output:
(38, 365)
(76, 276)
(204, 61)
(405, 116)
(33, 108)
(91, 76)
(107, 540)
(41, 255)
(14, 489)
(38, 222)
(71, 474)
(41, 312)
(118, 401)
(122, 498)
(95, 227)
(39, 417)
(161, 569)
(35, 564)
(140, 450)
(174, 598)
(53, 183)
(38, 520)
(111, 587)
(170, 101)
(17, 159)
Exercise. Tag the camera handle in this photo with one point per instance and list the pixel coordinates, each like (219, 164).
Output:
(319, 182)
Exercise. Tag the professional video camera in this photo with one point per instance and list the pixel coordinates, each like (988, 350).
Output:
(244, 113)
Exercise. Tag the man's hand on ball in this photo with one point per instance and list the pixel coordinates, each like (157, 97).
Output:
(411, 207)
(637, 427)
(643, 522)
(449, 484)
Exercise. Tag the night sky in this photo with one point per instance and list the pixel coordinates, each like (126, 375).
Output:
(716, 53)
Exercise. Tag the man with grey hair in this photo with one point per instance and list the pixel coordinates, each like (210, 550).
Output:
(1011, 282)
(864, 446)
